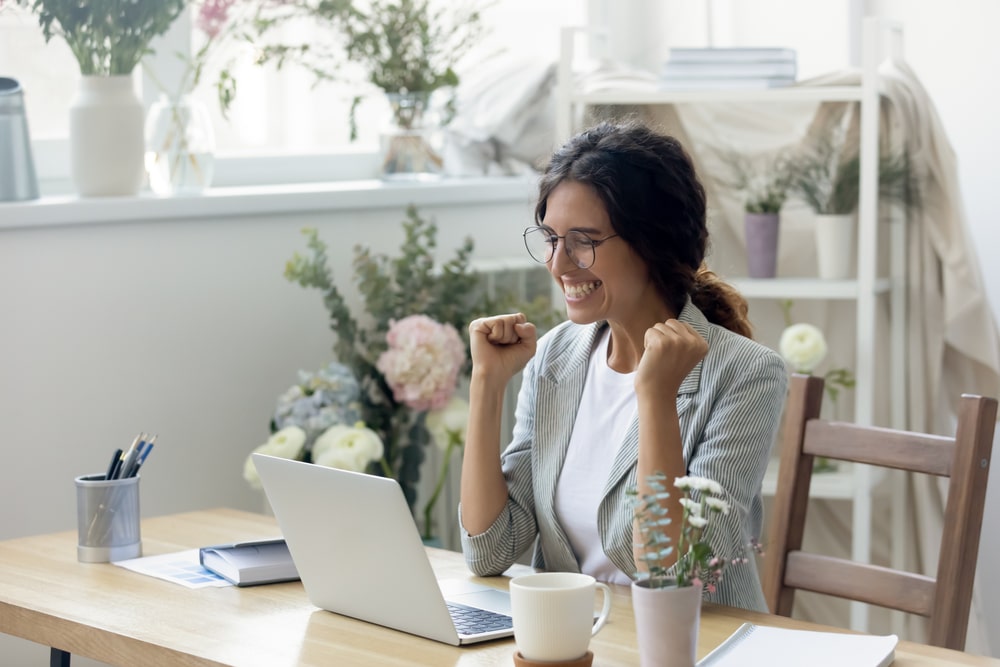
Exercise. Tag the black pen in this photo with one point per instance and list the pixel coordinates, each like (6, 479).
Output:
(114, 462)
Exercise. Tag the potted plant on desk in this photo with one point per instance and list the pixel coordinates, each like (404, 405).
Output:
(666, 596)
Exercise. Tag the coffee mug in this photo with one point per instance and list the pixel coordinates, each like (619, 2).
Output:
(553, 614)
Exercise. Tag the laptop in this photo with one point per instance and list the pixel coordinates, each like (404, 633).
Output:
(357, 549)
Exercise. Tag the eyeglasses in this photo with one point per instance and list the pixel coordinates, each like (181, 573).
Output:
(541, 244)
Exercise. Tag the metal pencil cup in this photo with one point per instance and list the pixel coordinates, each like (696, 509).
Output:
(107, 516)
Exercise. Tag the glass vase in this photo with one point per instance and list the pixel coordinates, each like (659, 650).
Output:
(180, 146)
(408, 152)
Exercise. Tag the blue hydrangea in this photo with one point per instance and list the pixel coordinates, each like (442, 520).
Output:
(329, 396)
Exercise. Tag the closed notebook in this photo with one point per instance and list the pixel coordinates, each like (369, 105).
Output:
(760, 645)
(250, 563)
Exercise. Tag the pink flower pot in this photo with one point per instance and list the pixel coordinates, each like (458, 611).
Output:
(762, 244)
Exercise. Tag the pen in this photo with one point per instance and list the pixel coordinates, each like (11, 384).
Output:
(130, 455)
(142, 457)
(114, 464)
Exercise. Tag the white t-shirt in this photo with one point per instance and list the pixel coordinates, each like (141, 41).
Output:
(607, 407)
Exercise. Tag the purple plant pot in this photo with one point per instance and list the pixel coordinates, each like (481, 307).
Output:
(762, 244)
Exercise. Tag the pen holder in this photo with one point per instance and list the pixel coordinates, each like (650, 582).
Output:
(107, 516)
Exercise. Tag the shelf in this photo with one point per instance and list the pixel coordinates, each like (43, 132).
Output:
(789, 94)
(802, 288)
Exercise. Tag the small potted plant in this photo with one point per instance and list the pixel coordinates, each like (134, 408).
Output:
(408, 50)
(828, 180)
(765, 181)
(666, 595)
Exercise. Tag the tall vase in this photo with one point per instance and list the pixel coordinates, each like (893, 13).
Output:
(666, 624)
(106, 137)
(180, 146)
(408, 152)
(835, 245)
(762, 244)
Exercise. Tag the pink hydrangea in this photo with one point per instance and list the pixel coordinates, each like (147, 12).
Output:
(422, 363)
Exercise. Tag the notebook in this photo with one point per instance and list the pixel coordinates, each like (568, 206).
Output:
(358, 552)
(752, 645)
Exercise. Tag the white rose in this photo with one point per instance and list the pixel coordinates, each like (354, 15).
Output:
(450, 421)
(286, 443)
(347, 447)
(802, 346)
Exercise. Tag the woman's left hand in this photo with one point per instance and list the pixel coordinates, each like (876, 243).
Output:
(671, 350)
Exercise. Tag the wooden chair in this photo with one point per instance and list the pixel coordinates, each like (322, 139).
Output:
(945, 599)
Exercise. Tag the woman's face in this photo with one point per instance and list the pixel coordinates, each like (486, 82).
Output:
(617, 284)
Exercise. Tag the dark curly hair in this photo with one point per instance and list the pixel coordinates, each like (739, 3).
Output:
(656, 204)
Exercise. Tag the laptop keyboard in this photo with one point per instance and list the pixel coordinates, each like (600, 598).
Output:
(472, 621)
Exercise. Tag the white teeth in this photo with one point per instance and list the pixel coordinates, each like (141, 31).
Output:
(581, 289)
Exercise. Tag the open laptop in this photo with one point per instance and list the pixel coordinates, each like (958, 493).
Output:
(358, 552)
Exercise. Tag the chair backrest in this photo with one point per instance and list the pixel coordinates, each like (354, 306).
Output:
(964, 458)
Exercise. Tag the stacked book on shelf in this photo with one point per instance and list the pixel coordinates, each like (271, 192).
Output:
(748, 68)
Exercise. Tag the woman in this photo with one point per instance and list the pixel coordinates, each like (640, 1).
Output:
(653, 372)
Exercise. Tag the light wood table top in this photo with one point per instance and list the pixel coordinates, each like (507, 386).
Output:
(124, 618)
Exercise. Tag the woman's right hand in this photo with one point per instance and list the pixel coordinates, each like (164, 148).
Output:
(501, 345)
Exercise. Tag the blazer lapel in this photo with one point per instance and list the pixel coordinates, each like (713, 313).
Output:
(628, 453)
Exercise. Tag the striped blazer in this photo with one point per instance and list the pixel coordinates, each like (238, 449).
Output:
(729, 408)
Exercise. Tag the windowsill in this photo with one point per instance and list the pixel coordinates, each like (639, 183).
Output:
(262, 200)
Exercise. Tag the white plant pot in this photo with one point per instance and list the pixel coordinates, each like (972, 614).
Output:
(106, 143)
(835, 246)
(666, 624)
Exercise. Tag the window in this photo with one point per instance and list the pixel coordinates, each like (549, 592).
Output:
(277, 116)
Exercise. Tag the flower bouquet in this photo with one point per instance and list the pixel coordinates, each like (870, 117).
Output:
(406, 356)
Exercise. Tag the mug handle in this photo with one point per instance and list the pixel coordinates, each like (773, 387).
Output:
(605, 609)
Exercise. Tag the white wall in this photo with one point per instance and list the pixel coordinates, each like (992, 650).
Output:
(185, 328)
(954, 50)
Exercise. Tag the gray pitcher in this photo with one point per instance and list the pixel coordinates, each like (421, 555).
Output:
(17, 169)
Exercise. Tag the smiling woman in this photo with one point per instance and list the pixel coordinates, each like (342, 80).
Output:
(654, 373)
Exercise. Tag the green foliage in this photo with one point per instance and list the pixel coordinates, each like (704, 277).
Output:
(828, 178)
(404, 46)
(107, 37)
(764, 180)
(392, 288)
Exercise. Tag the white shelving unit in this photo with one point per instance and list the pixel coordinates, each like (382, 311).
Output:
(865, 291)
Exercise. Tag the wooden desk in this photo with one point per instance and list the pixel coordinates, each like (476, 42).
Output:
(120, 617)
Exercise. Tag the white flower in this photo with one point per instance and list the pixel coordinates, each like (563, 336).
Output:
(717, 504)
(693, 507)
(347, 447)
(449, 422)
(693, 482)
(286, 443)
(803, 347)
(697, 521)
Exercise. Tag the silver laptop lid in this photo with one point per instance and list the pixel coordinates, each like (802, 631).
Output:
(356, 546)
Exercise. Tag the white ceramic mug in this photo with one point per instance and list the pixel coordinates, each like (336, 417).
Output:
(553, 614)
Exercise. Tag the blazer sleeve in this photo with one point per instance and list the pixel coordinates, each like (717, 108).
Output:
(734, 450)
(514, 531)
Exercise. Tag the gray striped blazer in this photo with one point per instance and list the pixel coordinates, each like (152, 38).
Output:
(729, 408)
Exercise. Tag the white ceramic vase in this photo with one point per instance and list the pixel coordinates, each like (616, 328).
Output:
(666, 624)
(106, 137)
(835, 245)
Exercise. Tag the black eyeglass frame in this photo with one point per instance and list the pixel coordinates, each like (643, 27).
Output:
(553, 240)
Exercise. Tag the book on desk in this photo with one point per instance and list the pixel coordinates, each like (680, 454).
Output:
(752, 645)
(250, 563)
